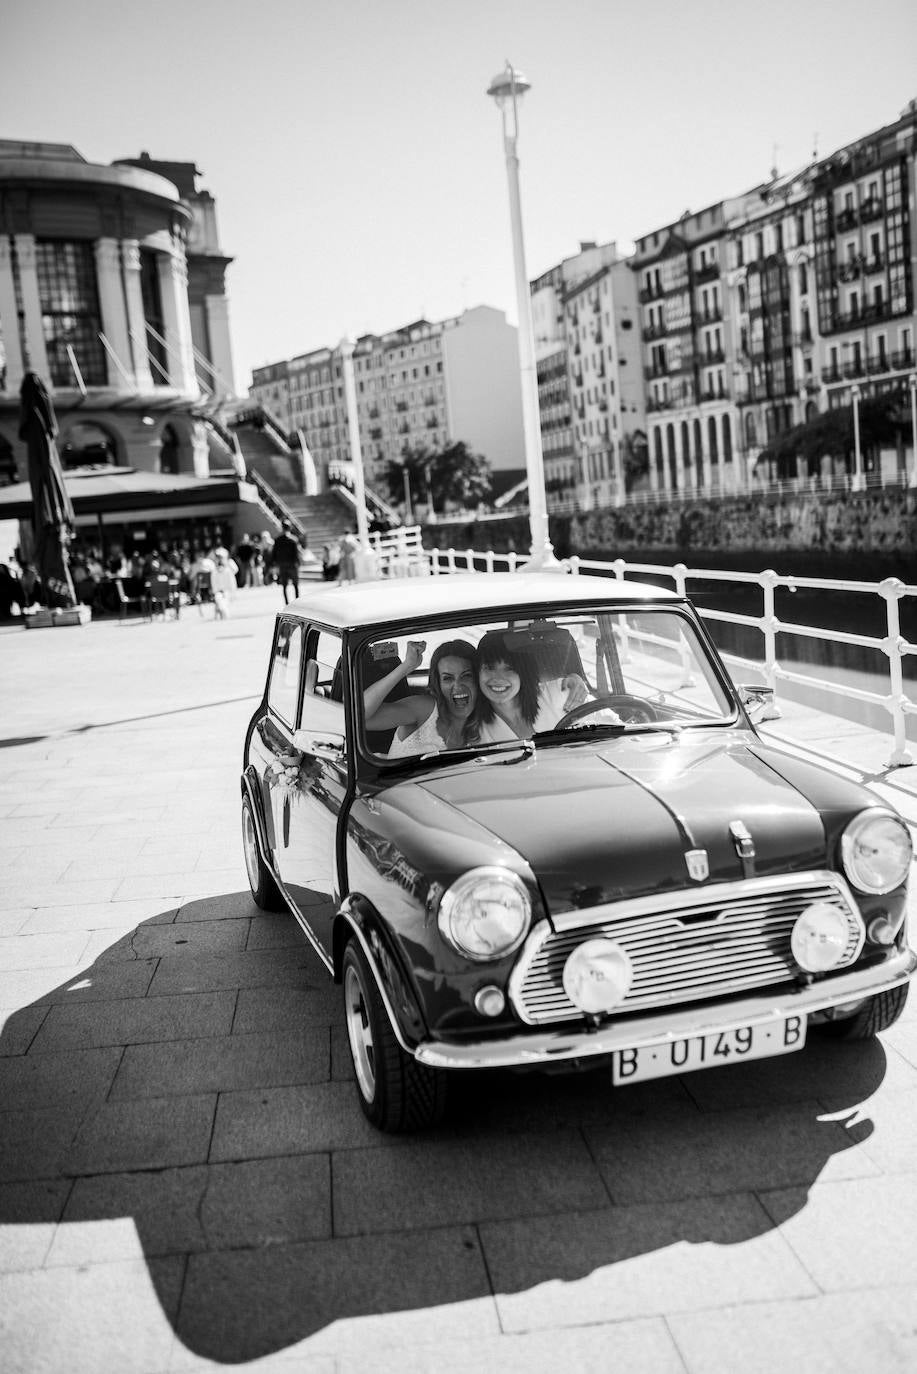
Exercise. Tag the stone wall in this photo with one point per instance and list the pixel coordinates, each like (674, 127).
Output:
(868, 535)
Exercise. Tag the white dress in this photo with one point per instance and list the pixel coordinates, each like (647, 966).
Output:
(550, 709)
(426, 739)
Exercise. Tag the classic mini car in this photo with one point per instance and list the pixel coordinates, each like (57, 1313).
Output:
(526, 820)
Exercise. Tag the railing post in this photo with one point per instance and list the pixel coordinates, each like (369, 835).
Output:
(574, 564)
(469, 560)
(893, 646)
(620, 568)
(511, 559)
(489, 561)
(450, 560)
(770, 625)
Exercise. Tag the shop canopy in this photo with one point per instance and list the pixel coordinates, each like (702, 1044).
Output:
(105, 490)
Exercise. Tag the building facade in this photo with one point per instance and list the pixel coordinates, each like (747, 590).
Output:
(112, 289)
(427, 384)
(766, 309)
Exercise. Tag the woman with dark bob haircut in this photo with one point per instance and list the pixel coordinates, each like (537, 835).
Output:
(444, 716)
(514, 700)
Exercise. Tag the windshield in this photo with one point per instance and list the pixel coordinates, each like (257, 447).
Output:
(489, 682)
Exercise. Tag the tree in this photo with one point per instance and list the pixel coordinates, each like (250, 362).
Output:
(830, 434)
(452, 475)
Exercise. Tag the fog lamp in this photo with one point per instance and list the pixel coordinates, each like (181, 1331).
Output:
(597, 975)
(489, 1001)
(882, 929)
(821, 938)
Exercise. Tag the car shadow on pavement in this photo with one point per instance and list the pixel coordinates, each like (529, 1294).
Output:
(194, 1083)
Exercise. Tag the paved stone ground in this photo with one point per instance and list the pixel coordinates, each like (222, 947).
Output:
(186, 1180)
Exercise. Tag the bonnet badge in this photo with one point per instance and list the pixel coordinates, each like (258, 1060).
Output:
(698, 866)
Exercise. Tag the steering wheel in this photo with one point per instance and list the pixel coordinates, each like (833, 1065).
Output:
(631, 710)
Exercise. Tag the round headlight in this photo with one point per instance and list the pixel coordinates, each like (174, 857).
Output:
(485, 914)
(821, 938)
(876, 850)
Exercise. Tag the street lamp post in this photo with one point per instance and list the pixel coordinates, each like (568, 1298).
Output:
(507, 89)
(345, 348)
(912, 386)
(859, 482)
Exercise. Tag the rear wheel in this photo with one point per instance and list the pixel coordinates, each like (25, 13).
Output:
(875, 1015)
(261, 881)
(396, 1093)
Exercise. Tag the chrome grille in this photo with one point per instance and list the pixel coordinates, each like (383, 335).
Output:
(685, 947)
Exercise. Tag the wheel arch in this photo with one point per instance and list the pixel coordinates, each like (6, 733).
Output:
(358, 919)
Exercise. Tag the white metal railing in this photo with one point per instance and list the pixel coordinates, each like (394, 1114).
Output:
(892, 644)
(400, 552)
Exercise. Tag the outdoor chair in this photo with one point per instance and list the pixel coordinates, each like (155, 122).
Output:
(125, 602)
(161, 596)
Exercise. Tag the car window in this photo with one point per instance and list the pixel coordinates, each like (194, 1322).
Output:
(283, 686)
(323, 684)
(520, 677)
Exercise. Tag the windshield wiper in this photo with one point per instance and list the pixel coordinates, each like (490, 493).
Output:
(482, 751)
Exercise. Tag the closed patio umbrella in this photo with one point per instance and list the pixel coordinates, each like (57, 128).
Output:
(52, 509)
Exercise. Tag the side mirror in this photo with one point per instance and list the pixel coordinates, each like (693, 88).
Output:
(755, 696)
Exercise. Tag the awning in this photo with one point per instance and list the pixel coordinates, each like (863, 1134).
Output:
(103, 490)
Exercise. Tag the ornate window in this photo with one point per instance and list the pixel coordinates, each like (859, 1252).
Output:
(70, 312)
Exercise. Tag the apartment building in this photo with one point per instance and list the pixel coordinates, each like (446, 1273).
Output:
(425, 384)
(763, 310)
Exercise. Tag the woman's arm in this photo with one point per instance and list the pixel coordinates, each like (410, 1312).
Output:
(385, 715)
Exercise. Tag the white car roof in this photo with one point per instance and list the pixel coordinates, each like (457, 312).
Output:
(370, 603)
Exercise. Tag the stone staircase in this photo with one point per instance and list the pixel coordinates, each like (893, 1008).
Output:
(323, 517)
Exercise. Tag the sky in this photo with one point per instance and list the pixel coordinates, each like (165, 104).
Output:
(357, 163)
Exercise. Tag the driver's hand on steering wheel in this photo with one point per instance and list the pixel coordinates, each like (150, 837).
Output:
(576, 690)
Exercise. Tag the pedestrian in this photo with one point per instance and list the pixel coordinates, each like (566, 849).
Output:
(244, 555)
(223, 583)
(350, 546)
(331, 561)
(286, 561)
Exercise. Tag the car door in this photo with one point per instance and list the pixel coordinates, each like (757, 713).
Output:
(306, 851)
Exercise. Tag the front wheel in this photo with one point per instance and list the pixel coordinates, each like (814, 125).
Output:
(875, 1015)
(396, 1093)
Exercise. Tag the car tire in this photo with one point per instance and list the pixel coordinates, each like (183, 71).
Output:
(876, 1015)
(396, 1093)
(261, 881)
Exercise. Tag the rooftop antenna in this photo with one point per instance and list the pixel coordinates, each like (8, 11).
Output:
(774, 172)
(815, 147)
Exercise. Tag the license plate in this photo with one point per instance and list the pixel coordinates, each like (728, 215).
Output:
(706, 1051)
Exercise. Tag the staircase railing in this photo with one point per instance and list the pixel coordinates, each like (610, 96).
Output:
(276, 504)
(258, 415)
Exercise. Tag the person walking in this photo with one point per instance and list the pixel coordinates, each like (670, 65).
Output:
(286, 561)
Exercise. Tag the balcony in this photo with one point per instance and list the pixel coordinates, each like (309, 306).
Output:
(713, 355)
(709, 272)
(830, 375)
(875, 264)
(656, 370)
(903, 358)
(878, 364)
(711, 316)
(849, 270)
(847, 219)
(872, 208)
(654, 331)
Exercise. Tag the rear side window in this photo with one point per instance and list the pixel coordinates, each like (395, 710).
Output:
(283, 687)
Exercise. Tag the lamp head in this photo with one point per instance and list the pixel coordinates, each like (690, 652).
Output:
(507, 85)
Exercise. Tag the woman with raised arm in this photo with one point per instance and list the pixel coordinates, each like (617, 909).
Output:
(443, 717)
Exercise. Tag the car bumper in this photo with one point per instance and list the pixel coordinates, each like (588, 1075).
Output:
(661, 1028)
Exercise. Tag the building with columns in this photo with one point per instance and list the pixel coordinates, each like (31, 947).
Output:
(112, 289)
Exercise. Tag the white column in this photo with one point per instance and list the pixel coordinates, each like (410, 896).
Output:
(136, 321)
(114, 311)
(9, 318)
(216, 313)
(176, 317)
(35, 353)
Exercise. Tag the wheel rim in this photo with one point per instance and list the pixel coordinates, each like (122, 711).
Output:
(250, 847)
(359, 1033)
